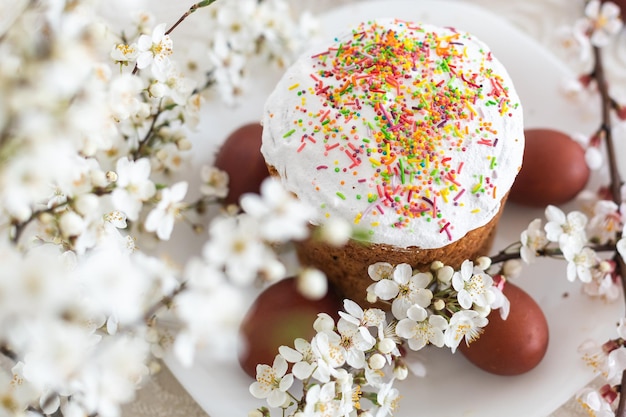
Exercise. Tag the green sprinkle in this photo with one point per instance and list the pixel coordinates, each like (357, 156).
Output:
(340, 195)
(291, 132)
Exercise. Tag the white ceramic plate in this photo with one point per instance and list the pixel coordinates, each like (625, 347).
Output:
(454, 387)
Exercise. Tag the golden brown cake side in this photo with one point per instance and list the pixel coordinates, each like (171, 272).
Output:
(346, 266)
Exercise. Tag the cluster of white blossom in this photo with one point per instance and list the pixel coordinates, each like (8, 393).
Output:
(581, 238)
(94, 126)
(359, 357)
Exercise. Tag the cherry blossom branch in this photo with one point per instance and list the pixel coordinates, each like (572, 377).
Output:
(191, 10)
(605, 132)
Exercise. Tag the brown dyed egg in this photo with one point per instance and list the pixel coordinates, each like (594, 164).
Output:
(554, 170)
(278, 316)
(515, 345)
(240, 156)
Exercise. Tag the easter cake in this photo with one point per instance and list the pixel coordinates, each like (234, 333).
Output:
(411, 132)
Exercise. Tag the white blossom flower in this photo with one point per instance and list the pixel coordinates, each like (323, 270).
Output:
(420, 328)
(272, 382)
(326, 347)
(161, 219)
(532, 239)
(594, 402)
(124, 53)
(388, 399)
(605, 222)
(302, 357)
(604, 19)
(228, 68)
(501, 302)
(282, 217)
(474, 286)
(603, 284)
(355, 341)
(595, 356)
(235, 244)
(154, 49)
(214, 182)
(616, 363)
(169, 158)
(320, 401)
(170, 82)
(566, 230)
(579, 263)
(464, 324)
(124, 96)
(209, 306)
(405, 289)
(380, 270)
(133, 186)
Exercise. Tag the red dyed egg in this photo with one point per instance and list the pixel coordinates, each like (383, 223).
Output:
(240, 156)
(278, 316)
(554, 170)
(515, 345)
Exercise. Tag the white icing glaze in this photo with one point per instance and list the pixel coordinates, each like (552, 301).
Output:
(437, 170)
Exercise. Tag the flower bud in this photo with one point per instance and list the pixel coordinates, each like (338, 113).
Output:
(376, 361)
(312, 283)
(439, 304)
(71, 224)
(183, 144)
(111, 176)
(483, 262)
(335, 232)
(512, 268)
(386, 345)
(401, 372)
(445, 273)
(436, 265)
(86, 204)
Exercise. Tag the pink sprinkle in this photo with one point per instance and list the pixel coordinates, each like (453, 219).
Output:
(460, 167)
(329, 147)
(322, 167)
(445, 229)
(301, 147)
(362, 180)
(485, 142)
(320, 54)
(459, 194)
(450, 178)
(380, 209)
